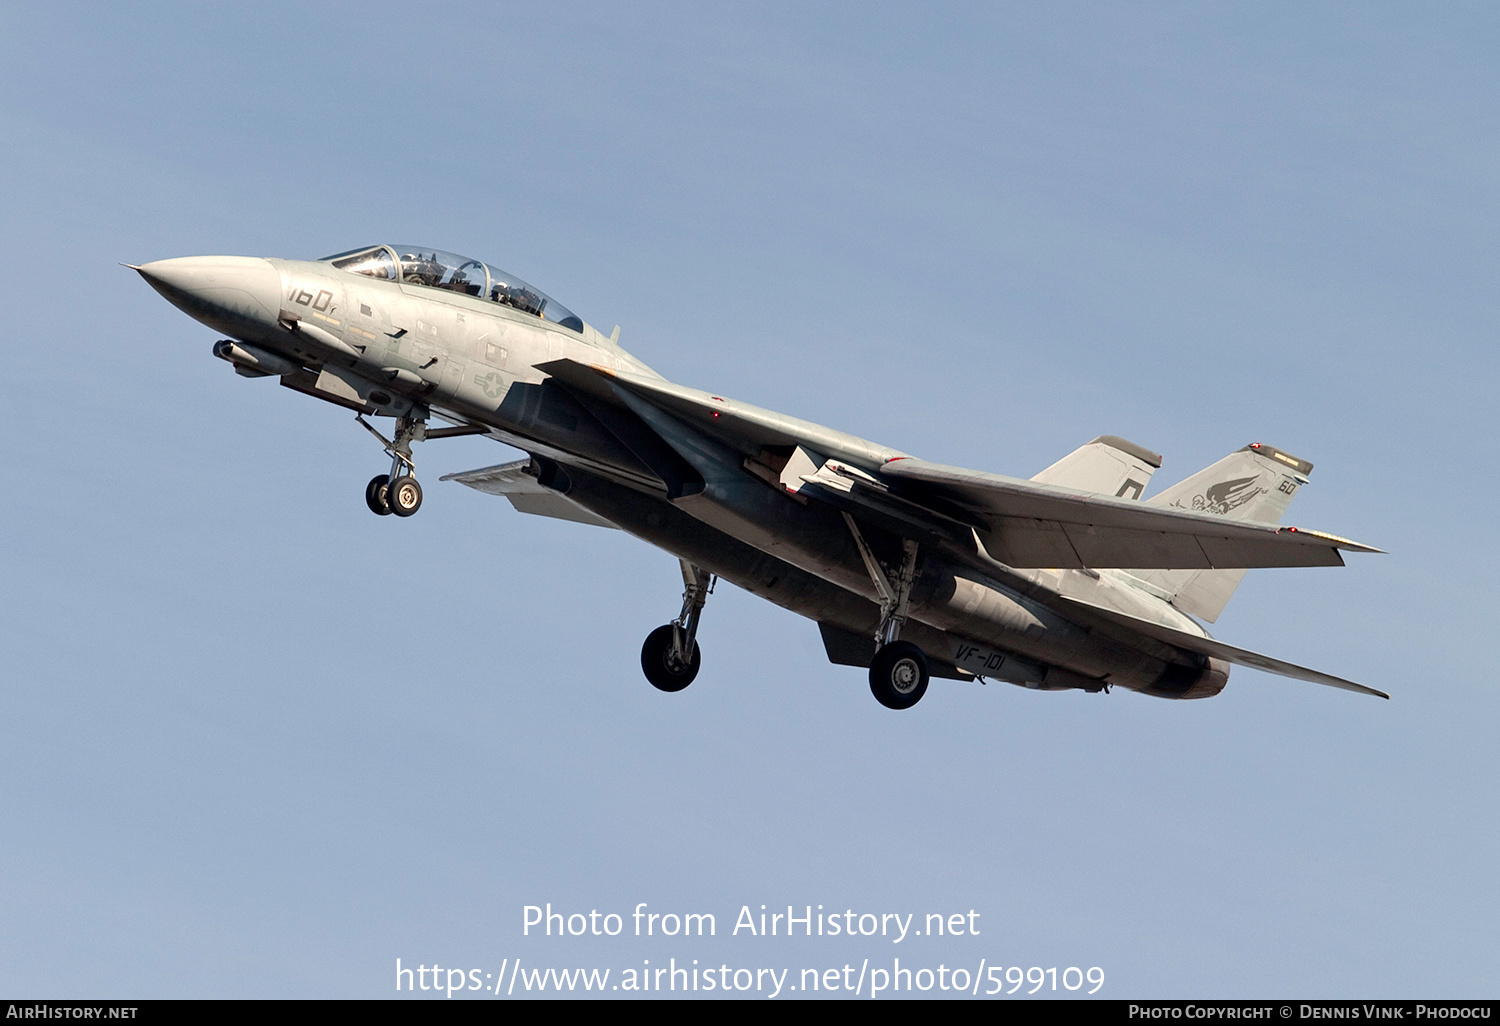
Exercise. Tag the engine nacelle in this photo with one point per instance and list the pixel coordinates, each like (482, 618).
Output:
(1177, 681)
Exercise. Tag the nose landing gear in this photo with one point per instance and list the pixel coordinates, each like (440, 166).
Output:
(398, 491)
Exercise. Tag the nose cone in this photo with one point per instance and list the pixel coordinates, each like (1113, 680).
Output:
(236, 295)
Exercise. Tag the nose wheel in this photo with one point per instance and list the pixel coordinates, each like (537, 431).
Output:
(404, 496)
(375, 495)
(398, 491)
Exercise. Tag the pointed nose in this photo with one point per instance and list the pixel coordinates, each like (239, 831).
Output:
(228, 293)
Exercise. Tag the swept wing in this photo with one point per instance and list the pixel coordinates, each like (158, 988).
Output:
(1217, 649)
(1023, 524)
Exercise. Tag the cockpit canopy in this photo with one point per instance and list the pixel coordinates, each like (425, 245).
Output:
(419, 265)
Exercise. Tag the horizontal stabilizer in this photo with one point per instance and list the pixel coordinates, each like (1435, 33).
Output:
(525, 493)
(1218, 650)
(1045, 526)
(1108, 466)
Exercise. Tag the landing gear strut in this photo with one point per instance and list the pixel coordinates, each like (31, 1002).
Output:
(898, 673)
(670, 657)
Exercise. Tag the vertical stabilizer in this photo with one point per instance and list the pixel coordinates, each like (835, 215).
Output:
(1256, 483)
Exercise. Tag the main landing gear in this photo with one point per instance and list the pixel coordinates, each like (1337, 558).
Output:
(670, 657)
(898, 673)
(398, 492)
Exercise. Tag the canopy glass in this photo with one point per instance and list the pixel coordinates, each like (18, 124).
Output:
(435, 269)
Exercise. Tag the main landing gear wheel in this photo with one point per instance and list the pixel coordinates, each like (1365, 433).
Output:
(375, 495)
(404, 496)
(898, 675)
(662, 666)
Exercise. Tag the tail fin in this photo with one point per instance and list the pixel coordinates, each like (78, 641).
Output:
(1107, 466)
(1256, 483)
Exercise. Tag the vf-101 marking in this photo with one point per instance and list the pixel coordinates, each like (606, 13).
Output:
(912, 569)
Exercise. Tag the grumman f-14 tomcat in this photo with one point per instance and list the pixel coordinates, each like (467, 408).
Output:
(1068, 580)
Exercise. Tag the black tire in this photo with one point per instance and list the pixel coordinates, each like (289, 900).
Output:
(898, 675)
(404, 496)
(375, 495)
(665, 673)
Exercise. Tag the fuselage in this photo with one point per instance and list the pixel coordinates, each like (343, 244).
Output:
(469, 343)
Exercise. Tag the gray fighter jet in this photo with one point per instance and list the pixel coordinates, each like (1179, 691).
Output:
(910, 568)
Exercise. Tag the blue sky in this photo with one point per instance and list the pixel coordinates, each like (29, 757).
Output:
(257, 742)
